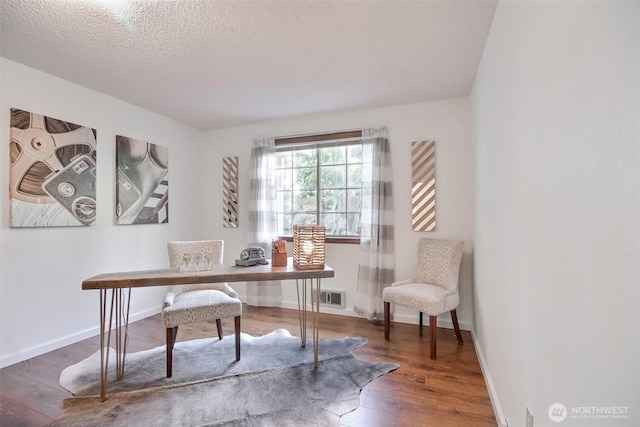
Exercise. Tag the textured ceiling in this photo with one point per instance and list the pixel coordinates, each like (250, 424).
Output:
(214, 64)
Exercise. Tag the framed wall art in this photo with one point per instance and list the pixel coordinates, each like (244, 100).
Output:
(142, 184)
(230, 192)
(52, 171)
(423, 190)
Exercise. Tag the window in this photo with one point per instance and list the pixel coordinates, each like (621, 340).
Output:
(318, 181)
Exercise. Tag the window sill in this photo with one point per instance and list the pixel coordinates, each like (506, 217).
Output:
(346, 240)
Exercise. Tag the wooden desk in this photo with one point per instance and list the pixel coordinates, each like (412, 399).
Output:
(118, 283)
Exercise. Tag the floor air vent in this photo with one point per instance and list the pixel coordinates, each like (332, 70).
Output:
(331, 298)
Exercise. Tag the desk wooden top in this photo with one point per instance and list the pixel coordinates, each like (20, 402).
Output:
(220, 273)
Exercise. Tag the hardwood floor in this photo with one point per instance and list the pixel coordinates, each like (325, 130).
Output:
(449, 391)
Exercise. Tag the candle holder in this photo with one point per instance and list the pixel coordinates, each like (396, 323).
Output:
(308, 247)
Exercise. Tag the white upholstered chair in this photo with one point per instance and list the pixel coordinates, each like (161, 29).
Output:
(198, 302)
(432, 289)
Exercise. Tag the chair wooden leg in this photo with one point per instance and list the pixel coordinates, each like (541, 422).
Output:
(420, 323)
(387, 319)
(237, 324)
(171, 339)
(433, 325)
(454, 319)
(219, 325)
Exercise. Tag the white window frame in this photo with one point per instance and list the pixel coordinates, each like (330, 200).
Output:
(319, 141)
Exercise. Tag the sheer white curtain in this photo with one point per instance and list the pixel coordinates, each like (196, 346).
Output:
(263, 226)
(376, 267)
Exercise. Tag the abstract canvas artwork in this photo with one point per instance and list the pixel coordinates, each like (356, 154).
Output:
(52, 171)
(230, 192)
(423, 190)
(142, 184)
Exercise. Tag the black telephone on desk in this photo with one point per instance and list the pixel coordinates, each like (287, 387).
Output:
(251, 256)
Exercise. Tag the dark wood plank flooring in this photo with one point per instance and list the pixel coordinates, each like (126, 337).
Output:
(447, 392)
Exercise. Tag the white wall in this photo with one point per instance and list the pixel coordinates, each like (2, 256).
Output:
(556, 116)
(447, 122)
(42, 306)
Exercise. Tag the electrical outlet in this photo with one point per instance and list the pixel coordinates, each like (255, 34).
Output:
(529, 417)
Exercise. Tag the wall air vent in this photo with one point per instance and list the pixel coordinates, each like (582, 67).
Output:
(330, 298)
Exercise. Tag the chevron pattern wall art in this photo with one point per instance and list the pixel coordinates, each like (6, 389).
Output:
(423, 191)
(230, 192)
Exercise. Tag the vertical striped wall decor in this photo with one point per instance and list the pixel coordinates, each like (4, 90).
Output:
(423, 191)
(230, 191)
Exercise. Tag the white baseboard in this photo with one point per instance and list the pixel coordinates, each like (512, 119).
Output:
(400, 318)
(323, 309)
(442, 323)
(57, 343)
(495, 402)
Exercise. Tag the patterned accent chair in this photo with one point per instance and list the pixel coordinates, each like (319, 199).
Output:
(433, 289)
(198, 302)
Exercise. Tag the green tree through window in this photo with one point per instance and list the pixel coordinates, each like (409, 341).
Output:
(319, 183)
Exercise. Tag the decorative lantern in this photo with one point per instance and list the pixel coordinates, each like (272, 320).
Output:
(308, 247)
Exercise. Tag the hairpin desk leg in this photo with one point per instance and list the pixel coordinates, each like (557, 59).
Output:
(103, 362)
(120, 304)
(316, 321)
(302, 310)
(315, 310)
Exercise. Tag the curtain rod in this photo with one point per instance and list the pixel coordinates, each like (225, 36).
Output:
(314, 137)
